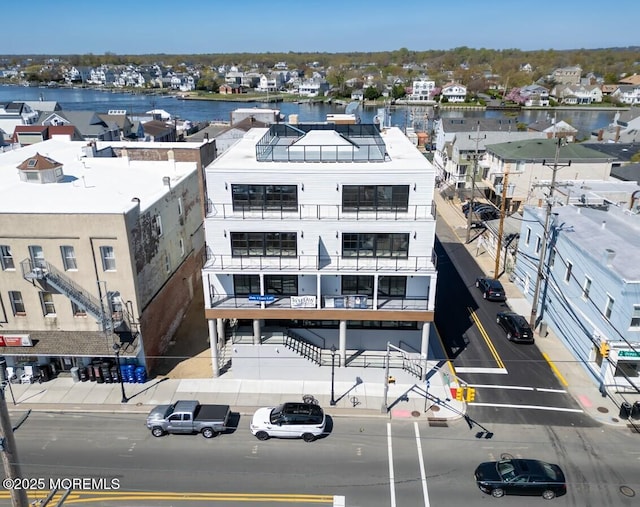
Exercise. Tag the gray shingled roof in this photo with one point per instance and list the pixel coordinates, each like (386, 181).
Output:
(545, 149)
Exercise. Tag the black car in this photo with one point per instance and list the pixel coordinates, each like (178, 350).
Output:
(516, 327)
(521, 477)
(492, 289)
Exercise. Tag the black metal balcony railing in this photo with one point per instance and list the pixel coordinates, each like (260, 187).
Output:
(311, 263)
(228, 211)
(222, 301)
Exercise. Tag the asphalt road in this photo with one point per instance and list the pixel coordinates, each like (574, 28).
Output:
(370, 461)
(513, 382)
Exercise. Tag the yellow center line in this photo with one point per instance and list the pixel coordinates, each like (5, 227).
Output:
(487, 340)
(555, 370)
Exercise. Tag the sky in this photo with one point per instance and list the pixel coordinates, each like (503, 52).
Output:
(333, 26)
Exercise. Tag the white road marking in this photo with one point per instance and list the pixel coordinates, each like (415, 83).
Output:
(392, 484)
(531, 407)
(518, 388)
(423, 475)
(498, 371)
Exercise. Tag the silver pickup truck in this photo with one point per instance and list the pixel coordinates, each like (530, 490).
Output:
(188, 416)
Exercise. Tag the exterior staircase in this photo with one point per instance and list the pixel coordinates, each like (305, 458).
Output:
(47, 275)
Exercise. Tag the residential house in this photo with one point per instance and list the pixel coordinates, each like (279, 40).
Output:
(313, 88)
(90, 125)
(624, 129)
(270, 83)
(24, 135)
(522, 165)
(453, 92)
(231, 89)
(13, 114)
(535, 95)
(422, 90)
(627, 94)
(590, 292)
(567, 75)
(577, 94)
(319, 237)
(124, 278)
(633, 80)
(158, 131)
(448, 131)
(554, 129)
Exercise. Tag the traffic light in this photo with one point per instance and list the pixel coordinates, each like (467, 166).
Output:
(460, 394)
(604, 349)
(471, 394)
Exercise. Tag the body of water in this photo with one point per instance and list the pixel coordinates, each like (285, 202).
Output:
(202, 110)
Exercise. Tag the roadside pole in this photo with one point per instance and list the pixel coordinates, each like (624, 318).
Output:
(10, 456)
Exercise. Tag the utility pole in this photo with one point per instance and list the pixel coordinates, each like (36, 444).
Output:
(503, 209)
(10, 455)
(545, 234)
(473, 181)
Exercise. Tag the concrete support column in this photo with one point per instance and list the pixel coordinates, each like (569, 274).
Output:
(256, 332)
(431, 303)
(213, 345)
(221, 333)
(424, 348)
(342, 347)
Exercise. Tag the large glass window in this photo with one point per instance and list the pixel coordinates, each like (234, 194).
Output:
(265, 197)
(264, 244)
(6, 258)
(283, 285)
(392, 286)
(375, 197)
(68, 258)
(375, 245)
(357, 285)
(244, 285)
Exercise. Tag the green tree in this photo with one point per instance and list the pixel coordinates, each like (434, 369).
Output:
(372, 93)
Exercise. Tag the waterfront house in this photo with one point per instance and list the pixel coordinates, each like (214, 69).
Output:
(453, 92)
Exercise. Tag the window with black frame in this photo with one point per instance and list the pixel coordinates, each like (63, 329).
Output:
(264, 244)
(357, 285)
(264, 197)
(375, 197)
(392, 286)
(375, 245)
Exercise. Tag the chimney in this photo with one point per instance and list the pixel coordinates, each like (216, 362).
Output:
(608, 257)
(90, 150)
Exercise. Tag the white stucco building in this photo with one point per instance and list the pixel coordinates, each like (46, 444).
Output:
(321, 234)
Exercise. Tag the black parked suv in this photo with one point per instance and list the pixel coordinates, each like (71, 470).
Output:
(516, 327)
(492, 290)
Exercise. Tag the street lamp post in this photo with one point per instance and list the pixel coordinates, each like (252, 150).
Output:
(116, 350)
(333, 374)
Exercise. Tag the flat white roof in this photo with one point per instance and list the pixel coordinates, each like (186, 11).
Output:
(90, 185)
(403, 156)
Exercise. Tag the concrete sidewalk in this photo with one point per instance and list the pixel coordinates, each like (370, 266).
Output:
(604, 409)
(409, 401)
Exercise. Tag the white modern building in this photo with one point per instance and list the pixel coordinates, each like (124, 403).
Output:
(318, 236)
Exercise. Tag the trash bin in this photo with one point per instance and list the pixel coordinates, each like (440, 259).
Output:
(625, 410)
(635, 410)
(75, 374)
(84, 374)
(97, 372)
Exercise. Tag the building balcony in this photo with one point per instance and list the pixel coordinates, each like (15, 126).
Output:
(214, 263)
(227, 211)
(332, 302)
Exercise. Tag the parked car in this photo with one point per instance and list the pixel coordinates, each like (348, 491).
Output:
(516, 327)
(477, 205)
(492, 289)
(521, 477)
(289, 420)
(188, 416)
